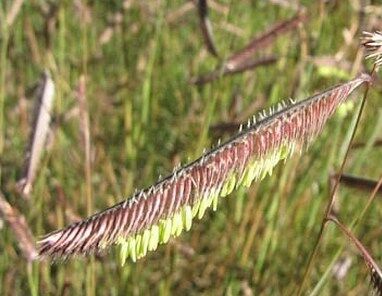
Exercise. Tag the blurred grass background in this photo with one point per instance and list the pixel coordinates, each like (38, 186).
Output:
(137, 58)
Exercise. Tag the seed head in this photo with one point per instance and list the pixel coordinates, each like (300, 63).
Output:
(373, 44)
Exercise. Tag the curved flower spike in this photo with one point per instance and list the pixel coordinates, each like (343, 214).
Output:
(153, 215)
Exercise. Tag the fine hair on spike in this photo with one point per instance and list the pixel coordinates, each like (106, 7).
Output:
(165, 209)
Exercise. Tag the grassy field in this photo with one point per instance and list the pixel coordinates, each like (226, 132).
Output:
(145, 117)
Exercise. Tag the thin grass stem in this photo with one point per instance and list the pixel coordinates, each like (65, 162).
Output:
(3, 68)
(375, 271)
(330, 204)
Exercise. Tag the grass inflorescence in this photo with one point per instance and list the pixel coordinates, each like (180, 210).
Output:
(163, 210)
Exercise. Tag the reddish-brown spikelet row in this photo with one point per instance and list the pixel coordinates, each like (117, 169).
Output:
(294, 124)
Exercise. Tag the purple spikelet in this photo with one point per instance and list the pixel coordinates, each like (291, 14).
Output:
(163, 210)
